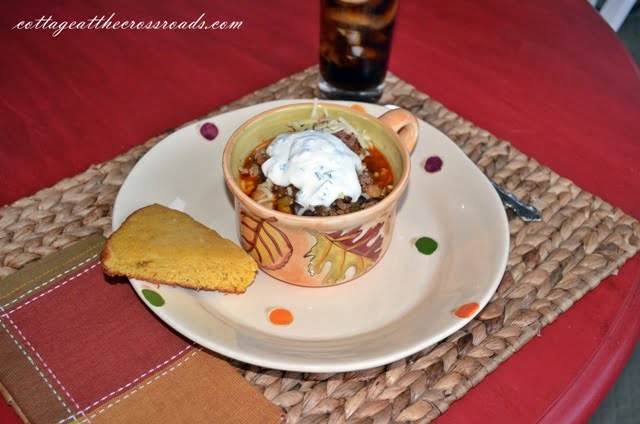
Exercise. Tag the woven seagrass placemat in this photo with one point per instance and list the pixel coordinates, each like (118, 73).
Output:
(552, 263)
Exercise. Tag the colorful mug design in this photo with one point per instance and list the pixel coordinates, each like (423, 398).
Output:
(319, 251)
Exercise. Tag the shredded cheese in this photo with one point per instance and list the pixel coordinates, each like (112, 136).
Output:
(330, 125)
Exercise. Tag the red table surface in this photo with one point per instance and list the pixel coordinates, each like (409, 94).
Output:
(547, 75)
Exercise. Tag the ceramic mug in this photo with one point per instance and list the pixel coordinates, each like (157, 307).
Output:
(318, 251)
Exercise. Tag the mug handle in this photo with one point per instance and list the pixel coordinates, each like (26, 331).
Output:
(404, 123)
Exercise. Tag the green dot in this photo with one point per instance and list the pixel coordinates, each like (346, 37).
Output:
(426, 245)
(153, 297)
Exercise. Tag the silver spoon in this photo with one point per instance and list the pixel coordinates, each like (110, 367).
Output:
(524, 211)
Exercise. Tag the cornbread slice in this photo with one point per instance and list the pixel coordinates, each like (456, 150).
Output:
(165, 246)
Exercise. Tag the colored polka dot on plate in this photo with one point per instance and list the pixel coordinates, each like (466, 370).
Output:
(209, 131)
(426, 245)
(467, 310)
(433, 164)
(153, 297)
(280, 316)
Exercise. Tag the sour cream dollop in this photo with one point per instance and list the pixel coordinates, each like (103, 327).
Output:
(317, 163)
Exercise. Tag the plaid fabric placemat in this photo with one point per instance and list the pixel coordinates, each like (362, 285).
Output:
(77, 346)
(552, 263)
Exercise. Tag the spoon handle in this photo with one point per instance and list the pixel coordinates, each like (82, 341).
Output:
(524, 211)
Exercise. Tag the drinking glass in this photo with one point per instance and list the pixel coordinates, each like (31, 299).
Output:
(355, 44)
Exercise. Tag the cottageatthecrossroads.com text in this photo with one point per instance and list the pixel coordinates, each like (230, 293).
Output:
(103, 22)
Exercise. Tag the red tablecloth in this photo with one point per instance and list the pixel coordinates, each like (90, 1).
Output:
(548, 75)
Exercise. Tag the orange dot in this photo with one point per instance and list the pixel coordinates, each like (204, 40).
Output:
(467, 310)
(358, 107)
(280, 316)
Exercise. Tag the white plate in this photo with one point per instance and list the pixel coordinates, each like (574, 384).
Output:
(404, 304)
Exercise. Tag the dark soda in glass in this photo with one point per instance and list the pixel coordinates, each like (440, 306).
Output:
(355, 42)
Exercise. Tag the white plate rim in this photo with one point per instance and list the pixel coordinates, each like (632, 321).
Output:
(269, 361)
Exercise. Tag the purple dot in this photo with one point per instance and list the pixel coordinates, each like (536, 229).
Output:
(433, 164)
(209, 131)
